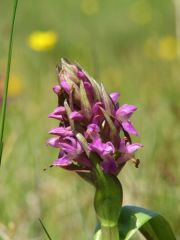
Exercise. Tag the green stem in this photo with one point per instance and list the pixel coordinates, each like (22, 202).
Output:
(4, 103)
(110, 233)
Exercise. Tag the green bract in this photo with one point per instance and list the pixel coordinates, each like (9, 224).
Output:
(108, 200)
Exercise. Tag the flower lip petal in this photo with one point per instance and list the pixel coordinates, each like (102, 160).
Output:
(92, 131)
(125, 112)
(62, 161)
(96, 146)
(108, 148)
(71, 147)
(70, 140)
(54, 142)
(57, 113)
(57, 89)
(61, 131)
(133, 147)
(65, 86)
(114, 96)
(68, 149)
(76, 115)
(55, 116)
(103, 149)
(60, 110)
(128, 127)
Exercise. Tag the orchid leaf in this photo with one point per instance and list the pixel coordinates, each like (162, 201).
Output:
(151, 224)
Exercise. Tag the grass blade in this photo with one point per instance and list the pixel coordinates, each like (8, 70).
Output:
(45, 230)
(5, 94)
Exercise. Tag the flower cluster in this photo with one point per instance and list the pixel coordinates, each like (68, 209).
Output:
(90, 122)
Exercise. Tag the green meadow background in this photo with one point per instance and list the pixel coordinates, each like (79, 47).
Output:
(130, 46)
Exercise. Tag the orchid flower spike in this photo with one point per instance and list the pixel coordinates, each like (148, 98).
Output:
(90, 121)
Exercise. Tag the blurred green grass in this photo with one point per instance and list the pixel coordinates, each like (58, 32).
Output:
(109, 43)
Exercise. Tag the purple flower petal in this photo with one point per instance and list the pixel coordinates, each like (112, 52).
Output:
(92, 131)
(76, 115)
(127, 150)
(60, 110)
(133, 147)
(103, 149)
(55, 116)
(71, 140)
(98, 119)
(71, 147)
(57, 113)
(68, 149)
(96, 146)
(96, 109)
(65, 86)
(81, 75)
(109, 166)
(108, 148)
(62, 161)
(61, 131)
(89, 90)
(56, 89)
(114, 96)
(98, 116)
(128, 127)
(75, 143)
(122, 146)
(125, 112)
(83, 160)
(54, 142)
(79, 149)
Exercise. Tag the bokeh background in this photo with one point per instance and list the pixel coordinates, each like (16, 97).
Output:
(131, 46)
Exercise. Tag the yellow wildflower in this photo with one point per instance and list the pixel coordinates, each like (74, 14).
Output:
(42, 41)
(89, 7)
(140, 12)
(168, 48)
